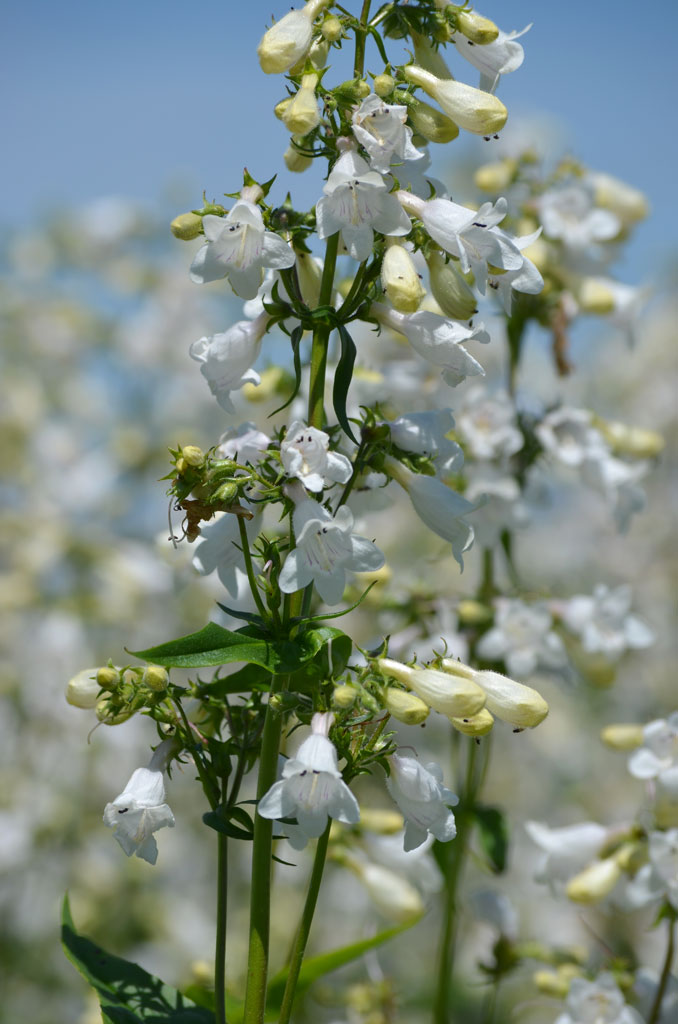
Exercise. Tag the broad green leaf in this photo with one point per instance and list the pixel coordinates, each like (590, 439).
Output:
(214, 645)
(218, 821)
(493, 835)
(249, 677)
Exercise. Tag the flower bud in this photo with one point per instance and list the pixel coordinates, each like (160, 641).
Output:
(453, 697)
(556, 983)
(108, 678)
(496, 177)
(400, 279)
(384, 85)
(309, 275)
(302, 116)
(109, 714)
(393, 895)
(513, 702)
(429, 57)
(274, 381)
(192, 455)
(429, 122)
(280, 108)
(405, 706)
(635, 441)
(227, 492)
(622, 737)
(156, 677)
(594, 296)
(449, 289)
(472, 109)
(344, 696)
(295, 161)
(186, 226)
(476, 28)
(331, 29)
(381, 820)
(82, 690)
(628, 203)
(352, 91)
(288, 40)
(474, 725)
(473, 613)
(595, 882)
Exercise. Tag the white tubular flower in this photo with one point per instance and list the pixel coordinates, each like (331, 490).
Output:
(140, 810)
(523, 637)
(569, 436)
(400, 279)
(600, 1001)
(487, 423)
(618, 482)
(83, 689)
(437, 505)
(437, 340)
(604, 621)
(663, 850)
(288, 40)
(238, 247)
(472, 109)
(513, 702)
(502, 505)
(380, 128)
(219, 547)
(306, 455)
(658, 756)
(426, 434)
(357, 202)
(311, 788)
(301, 116)
(493, 59)
(527, 279)
(566, 850)
(243, 444)
(226, 359)
(424, 801)
(325, 550)
(453, 696)
(568, 213)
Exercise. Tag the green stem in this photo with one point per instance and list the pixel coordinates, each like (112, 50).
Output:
(346, 307)
(360, 39)
(304, 928)
(666, 972)
(220, 945)
(316, 391)
(515, 329)
(486, 588)
(254, 587)
(260, 893)
(211, 791)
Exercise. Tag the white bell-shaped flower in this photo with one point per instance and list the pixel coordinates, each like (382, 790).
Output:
(382, 130)
(138, 812)
(493, 59)
(424, 801)
(226, 359)
(305, 453)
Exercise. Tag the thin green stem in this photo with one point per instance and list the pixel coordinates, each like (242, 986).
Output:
(211, 791)
(666, 972)
(360, 39)
(220, 945)
(249, 568)
(316, 390)
(515, 329)
(260, 893)
(345, 308)
(486, 588)
(301, 938)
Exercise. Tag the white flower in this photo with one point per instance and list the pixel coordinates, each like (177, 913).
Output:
(567, 435)
(525, 279)
(522, 637)
(381, 129)
(487, 423)
(618, 482)
(426, 434)
(356, 201)
(138, 812)
(306, 454)
(226, 359)
(659, 877)
(437, 340)
(288, 40)
(325, 550)
(424, 801)
(658, 756)
(567, 213)
(492, 59)
(219, 547)
(566, 850)
(238, 247)
(604, 622)
(311, 788)
(499, 504)
(597, 1002)
(244, 444)
(392, 894)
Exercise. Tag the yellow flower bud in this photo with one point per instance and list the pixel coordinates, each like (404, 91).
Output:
(472, 109)
(622, 737)
(513, 702)
(595, 882)
(473, 613)
(108, 678)
(344, 696)
(384, 85)
(280, 108)
(109, 715)
(594, 296)
(628, 203)
(302, 115)
(186, 226)
(288, 40)
(476, 28)
(309, 275)
(82, 690)
(429, 122)
(295, 161)
(382, 575)
(406, 707)
(192, 455)
(156, 677)
(400, 279)
(631, 856)
(429, 57)
(451, 696)
(496, 177)
(332, 29)
(449, 289)
(474, 725)
(274, 380)
(551, 983)
(636, 441)
(380, 820)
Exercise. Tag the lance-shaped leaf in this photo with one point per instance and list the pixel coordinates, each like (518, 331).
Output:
(342, 380)
(295, 339)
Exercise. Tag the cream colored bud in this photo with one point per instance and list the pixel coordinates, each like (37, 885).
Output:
(331, 29)
(451, 696)
(344, 696)
(382, 575)
(496, 177)
(317, 55)
(274, 379)
(635, 441)
(354, 90)
(302, 115)
(400, 280)
(595, 882)
(384, 85)
(429, 57)
(383, 821)
(513, 702)
(474, 725)
(192, 455)
(186, 226)
(280, 108)
(632, 855)
(476, 28)
(555, 983)
(429, 122)
(110, 715)
(395, 897)
(472, 109)
(406, 707)
(156, 677)
(288, 40)
(82, 691)
(473, 613)
(295, 161)
(449, 289)
(594, 296)
(309, 275)
(628, 203)
(622, 737)
(108, 678)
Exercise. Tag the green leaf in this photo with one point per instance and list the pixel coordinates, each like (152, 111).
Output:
(220, 823)
(247, 678)
(215, 645)
(295, 339)
(493, 835)
(128, 994)
(342, 379)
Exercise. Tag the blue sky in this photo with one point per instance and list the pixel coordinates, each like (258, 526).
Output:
(127, 98)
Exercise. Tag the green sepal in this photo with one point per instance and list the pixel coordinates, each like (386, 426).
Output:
(493, 835)
(342, 379)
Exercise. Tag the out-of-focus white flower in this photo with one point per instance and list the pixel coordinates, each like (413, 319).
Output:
(628, 203)
(658, 756)
(618, 482)
(226, 359)
(658, 879)
(487, 423)
(566, 850)
(645, 988)
(493, 59)
(426, 434)
(140, 810)
(381, 129)
(522, 637)
(243, 444)
(568, 435)
(499, 504)
(496, 909)
(597, 1002)
(424, 801)
(238, 247)
(437, 340)
(568, 213)
(219, 547)
(326, 549)
(623, 303)
(306, 454)
(392, 894)
(604, 621)
(357, 202)
(311, 788)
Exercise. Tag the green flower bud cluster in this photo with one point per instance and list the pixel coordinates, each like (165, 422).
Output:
(115, 693)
